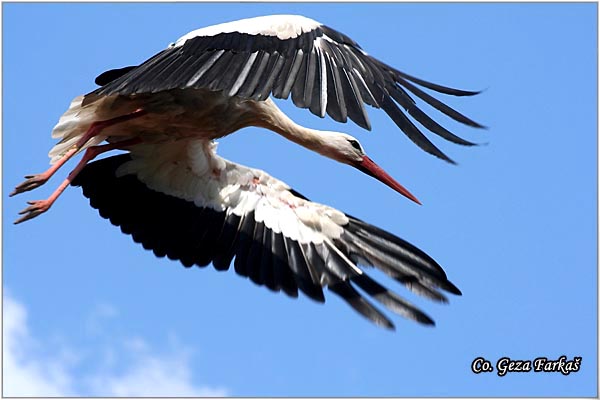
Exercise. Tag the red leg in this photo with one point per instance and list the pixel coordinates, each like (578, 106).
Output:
(38, 207)
(34, 181)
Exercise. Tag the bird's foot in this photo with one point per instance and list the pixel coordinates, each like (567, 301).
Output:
(32, 182)
(35, 208)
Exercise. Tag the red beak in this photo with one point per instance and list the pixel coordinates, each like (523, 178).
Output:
(369, 167)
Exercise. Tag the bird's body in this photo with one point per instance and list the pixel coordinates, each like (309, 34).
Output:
(176, 196)
(180, 114)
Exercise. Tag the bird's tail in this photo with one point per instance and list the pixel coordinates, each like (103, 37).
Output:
(71, 126)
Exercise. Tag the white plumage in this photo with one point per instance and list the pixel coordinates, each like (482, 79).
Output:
(192, 171)
(282, 27)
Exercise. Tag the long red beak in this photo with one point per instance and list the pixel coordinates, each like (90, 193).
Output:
(369, 167)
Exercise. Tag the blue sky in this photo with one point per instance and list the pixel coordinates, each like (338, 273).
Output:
(89, 312)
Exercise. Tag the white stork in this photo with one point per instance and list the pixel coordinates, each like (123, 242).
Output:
(175, 196)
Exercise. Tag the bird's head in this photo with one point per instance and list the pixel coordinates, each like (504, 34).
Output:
(346, 149)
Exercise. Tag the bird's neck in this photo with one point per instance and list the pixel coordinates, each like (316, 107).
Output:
(312, 139)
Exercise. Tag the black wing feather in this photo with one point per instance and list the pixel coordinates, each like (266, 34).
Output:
(444, 108)
(336, 98)
(302, 271)
(358, 303)
(254, 261)
(315, 105)
(265, 274)
(409, 105)
(281, 271)
(254, 75)
(228, 75)
(391, 300)
(297, 89)
(309, 81)
(225, 247)
(287, 73)
(112, 74)
(412, 131)
(263, 90)
(243, 242)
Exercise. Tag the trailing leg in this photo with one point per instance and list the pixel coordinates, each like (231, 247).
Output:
(34, 181)
(38, 207)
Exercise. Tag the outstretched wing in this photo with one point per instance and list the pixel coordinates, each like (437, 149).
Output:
(282, 55)
(278, 238)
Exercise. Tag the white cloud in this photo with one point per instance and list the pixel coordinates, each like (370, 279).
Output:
(153, 376)
(23, 375)
(101, 313)
(27, 372)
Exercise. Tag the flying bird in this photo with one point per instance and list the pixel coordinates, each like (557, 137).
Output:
(177, 197)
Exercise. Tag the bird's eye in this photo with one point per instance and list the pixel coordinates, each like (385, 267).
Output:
(355, 144)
